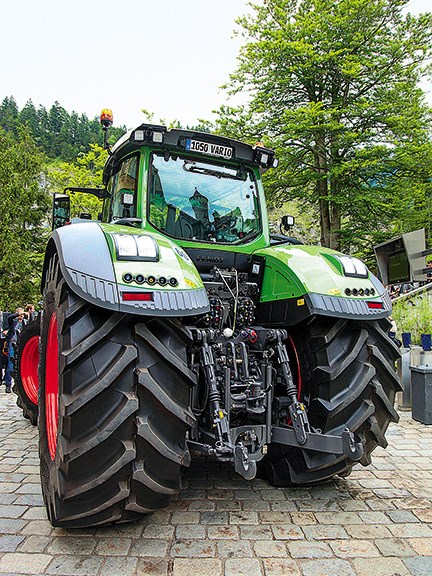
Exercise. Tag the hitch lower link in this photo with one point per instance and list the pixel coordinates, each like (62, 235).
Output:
(301, 434)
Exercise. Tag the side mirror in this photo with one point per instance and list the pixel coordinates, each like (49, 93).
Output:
(287, 222)
(61, 211)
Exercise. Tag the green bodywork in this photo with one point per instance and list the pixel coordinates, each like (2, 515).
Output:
(290, 271)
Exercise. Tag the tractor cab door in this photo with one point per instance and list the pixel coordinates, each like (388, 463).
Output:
(61, 211)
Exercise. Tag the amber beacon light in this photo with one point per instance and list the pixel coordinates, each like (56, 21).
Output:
(106, 118)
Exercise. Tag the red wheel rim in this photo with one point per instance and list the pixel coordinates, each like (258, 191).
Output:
(29, 368)
(52, 386)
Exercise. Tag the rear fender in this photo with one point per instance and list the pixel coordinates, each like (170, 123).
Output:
(302, 281)
(90, 268)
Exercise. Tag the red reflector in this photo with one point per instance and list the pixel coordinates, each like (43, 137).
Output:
(375, 305)
(141, 296)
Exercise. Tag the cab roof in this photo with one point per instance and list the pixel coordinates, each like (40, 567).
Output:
(199, 144)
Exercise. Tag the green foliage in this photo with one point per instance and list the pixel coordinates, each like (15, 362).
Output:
(414, 315)
(24, 205)
(333, 88)
(58, 133)
(86, 171)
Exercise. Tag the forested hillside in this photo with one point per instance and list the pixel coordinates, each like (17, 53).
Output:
(41, 152)
(56, 132)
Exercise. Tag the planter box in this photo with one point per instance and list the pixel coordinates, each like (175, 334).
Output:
(421, 393)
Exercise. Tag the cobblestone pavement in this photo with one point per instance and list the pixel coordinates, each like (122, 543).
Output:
(377, 522)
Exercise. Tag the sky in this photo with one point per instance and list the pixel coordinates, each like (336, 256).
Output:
(169, 57)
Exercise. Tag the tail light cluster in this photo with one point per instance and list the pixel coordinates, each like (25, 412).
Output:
(150, 280)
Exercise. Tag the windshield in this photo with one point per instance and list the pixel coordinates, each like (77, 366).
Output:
(202, 201)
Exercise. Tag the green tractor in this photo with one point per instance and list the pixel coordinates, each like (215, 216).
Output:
(176, 326)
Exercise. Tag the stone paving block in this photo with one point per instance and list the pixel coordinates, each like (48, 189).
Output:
(185, 518)
(256, 533)
(349, 505)
(312, 550)
(419, 566)
(35, 543)
(288, 532)
(114, 547)
(35, 513)
(368, 531)
(269, 549)
(223, 532)
(214, 518)
(7, 499)
(243, 518)
(202, 505)
(275, 517)
(280, 567)
(125, 566)
(282, 506)
(424, 515)
(29, 488)
(201, 567)
(243, 567)
(70, 546)
(270, 495)
(380, 567)
(373, 517)
(40, 527)
(150, 547)
(410, 530)
(303, 518)
(338, 518)
(12, 511)
(151, 567)
(422, 546)
(22, 563)
(234, 549)
(161, 531)
(190, 532)
(161, 517)
(317, 505)
(326, 567)
(377, 504)
(394, 547)
(9, 542)
(354, 548)
(8, 526)
(330, 532)
(191, 549)
(28, 500)
(227, 506)
(402, 516)
(74, 565)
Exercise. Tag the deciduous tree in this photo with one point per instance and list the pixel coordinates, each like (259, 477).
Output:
(24, 204)
(333, 87)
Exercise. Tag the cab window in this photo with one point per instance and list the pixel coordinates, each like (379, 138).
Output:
(123, 186)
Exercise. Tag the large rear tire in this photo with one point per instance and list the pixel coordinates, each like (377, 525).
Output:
(26, 370)
(114, 410)
(348, 379)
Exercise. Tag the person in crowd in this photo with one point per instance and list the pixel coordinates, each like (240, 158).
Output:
(31, 313)
(15, 324)
(3, 344)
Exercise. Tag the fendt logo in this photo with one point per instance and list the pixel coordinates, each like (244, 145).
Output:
(214, 259)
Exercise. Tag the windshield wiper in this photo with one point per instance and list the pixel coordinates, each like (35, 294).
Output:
(192, 167)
